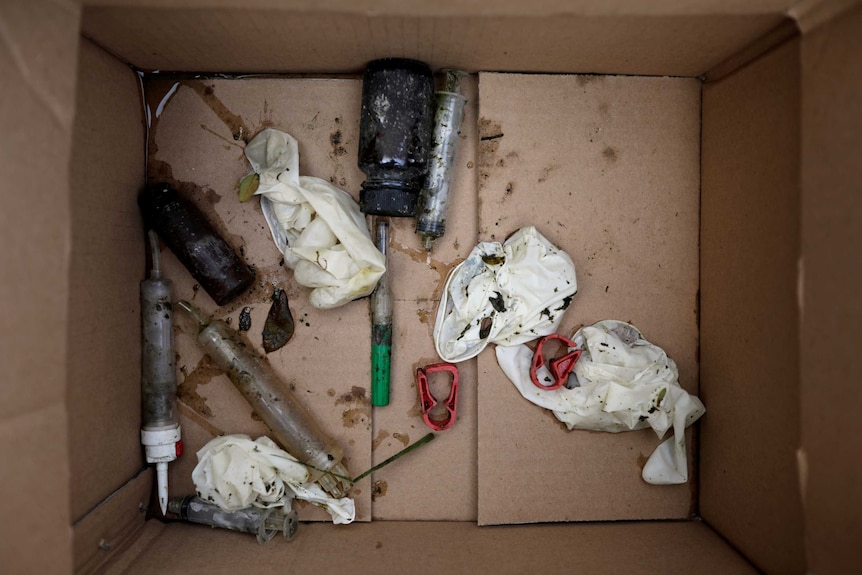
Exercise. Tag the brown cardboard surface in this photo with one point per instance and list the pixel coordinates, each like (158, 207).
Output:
(326, 363)
(749, 318)
(104, 533)
(607, 169)
(38, 48)
(439, 481)
(439, 547)
(225, 39)
(830, 286)
(104, 311)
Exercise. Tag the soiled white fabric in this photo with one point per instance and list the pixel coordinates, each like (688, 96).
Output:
(621, 382)
(319, 228)
(505, 294)
(235, 472)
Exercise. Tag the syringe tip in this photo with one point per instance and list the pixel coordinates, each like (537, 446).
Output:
(162, 485)
(428, 242)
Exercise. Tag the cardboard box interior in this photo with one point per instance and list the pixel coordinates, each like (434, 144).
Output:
(696, 209)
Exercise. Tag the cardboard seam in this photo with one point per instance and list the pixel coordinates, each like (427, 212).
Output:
(113, 494)
(777, 37)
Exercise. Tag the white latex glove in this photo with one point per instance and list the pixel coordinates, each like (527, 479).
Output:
(235, 472)
(318, 227)
(505, 294)
(621, 383)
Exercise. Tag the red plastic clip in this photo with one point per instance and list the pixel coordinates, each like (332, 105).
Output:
(428, 402)
(560, 367)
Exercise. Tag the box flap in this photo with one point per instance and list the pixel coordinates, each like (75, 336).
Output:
(106, 267)
(674, 38)
(433, 548)
(38, 49)
(830, 286)
(621, 155)
(749, 315)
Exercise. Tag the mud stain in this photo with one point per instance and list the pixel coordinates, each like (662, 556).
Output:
(187, 390)
(402, 437)
(546, 172)
(378, 489)
(381, 435)
(490, 135)
(610, 154)
(234, 122)
(356, 394)
(379, 545)
(424, 316)
(356, 416)
(330, 392)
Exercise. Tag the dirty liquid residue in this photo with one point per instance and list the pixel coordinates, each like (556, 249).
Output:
(187, 390)
(381, 436)
(378, 489)
(356, 394)
(356, 416)
(234, 122)
(402, 437)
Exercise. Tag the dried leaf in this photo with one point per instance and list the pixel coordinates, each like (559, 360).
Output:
(248, 186)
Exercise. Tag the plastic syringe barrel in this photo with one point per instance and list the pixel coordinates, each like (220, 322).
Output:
(291, 424)
(434, 197)
(264, 523)
(158, 363)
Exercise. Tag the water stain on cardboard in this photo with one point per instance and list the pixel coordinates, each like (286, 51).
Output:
(424, 315)
(378, 489)
(610, 154)
(356, 394)
(546, 171)
(356, 416)
(402, 437)
(187, 390)
(379, 545)
(234, 122)
(381, 435)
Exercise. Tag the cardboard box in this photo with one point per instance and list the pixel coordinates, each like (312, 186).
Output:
(699, 162)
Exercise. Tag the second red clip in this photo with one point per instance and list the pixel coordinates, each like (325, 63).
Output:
(560, 367)
(427, 401)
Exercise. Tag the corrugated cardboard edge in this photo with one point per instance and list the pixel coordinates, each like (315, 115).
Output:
(110, 528)
(38, 48)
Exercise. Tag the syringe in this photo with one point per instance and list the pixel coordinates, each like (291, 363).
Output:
(264, 523)
(434, 197)
(160, 427)
(381, 323)
(292, 425)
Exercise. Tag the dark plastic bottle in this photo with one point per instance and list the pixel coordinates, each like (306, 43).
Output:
(395, 135)
(210, 260)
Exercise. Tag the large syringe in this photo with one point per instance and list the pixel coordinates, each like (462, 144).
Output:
(292, 425)
(434, 197)
(160, 427)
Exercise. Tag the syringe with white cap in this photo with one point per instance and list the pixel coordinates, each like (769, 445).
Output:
(160, 427)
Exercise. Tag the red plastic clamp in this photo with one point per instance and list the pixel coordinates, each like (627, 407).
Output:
(427, 401)
(560, 367)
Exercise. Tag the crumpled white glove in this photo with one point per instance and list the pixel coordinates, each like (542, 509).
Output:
(622, 382)
(319, 228)
(235, 472)
(504, 294)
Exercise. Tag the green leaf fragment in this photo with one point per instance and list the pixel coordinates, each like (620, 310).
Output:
(248, 186)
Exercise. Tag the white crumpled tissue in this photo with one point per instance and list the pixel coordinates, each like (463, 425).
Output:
(505, 294)
(317, 227)
(621, 382)
(235, 472)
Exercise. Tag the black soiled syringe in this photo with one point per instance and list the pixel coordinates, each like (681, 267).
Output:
(160, 427)
(434, 197)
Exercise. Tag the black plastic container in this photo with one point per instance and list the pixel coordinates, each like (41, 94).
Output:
(208, 257)
(395, 135)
